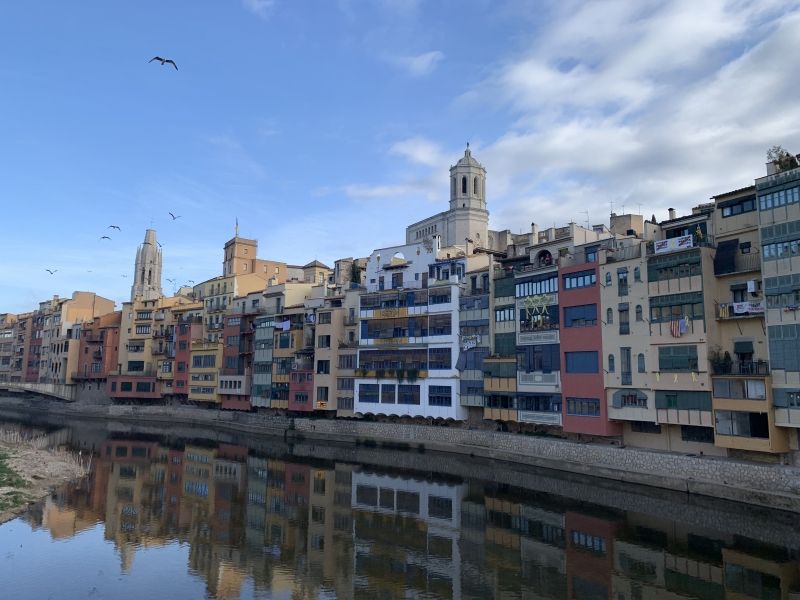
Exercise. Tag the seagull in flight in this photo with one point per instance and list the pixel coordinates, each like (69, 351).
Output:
(52, 271)
(105, 237)
(164, 61)
(172, 281)
(159, 244)
(174, 216)
(117, 227)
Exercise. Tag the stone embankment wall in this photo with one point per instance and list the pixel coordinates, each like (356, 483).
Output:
(777, 486)
(774, 486)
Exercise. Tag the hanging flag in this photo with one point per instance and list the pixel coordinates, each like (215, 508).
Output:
(675, 328)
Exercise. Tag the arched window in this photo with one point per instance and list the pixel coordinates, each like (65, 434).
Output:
(639, 315)
(463, 185)
(637, 274)
(608, 278)
(610, 363)
(609, 316)
(453, 186)
(641, 365)
(475, 186)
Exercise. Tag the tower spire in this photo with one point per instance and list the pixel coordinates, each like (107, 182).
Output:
(147, 272)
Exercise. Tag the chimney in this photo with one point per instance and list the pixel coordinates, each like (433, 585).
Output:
(671, 213)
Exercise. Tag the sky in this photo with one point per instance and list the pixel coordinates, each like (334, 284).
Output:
(327, 126)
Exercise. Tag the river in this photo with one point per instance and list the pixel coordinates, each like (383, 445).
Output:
(187, 513)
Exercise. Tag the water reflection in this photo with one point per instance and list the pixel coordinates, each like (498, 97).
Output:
(256, 525)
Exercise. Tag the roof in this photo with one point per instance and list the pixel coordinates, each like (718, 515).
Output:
(467, 160)
(749, 188)
(316, 263)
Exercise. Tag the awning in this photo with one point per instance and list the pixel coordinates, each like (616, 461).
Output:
(743, 347)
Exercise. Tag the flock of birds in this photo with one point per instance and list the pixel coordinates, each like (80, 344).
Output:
(163, 61)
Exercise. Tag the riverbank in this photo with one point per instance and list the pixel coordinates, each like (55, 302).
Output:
(767, 485)
(27, 474)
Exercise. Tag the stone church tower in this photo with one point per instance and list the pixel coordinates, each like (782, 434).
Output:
(147, 275)
(467, 220)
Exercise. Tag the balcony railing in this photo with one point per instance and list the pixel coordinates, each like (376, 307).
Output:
(741, 367)
(742, 263)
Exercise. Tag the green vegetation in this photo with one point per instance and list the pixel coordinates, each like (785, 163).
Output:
(14, 497)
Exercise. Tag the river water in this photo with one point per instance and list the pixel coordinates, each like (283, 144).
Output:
(170, 513)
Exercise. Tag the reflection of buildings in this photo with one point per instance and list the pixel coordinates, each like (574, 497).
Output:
(323, 530)
(406, 535)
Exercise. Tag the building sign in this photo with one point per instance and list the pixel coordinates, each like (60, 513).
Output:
(470, 341)
(748, 308)
(671, 245)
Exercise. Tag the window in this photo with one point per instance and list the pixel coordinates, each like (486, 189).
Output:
(204, 361)
(609, 316)
(677, 358)
(323, 367)
(633, 400)
(142, 329)
(135, 366)
(580, 316)
(324, 318)
(439, 358)
(637, 274)
(739, 207)
(504, 314)
(745, 247)
(407, 394)
(645, 427)
(608, 279)
(624, 320)
(388, 393)
(322, 394)
(143, 386)
(144, 315)
(463, 185)
(691, 433)
(580, 280)
(640, 363)
(440, 395)
(543, 284)
(368, 392)
(347, 361)
(622, 282)
(232, 340)
(397, 280)
(323, 341)
(581, 362)
(583, 407)
(639, 315)
(125, 386)
(475, 186)
(345, 383)
(610, 363)
(440, 508)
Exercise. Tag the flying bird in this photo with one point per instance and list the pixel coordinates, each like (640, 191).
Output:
(172, 281)
(174, 216)
(164, 61)
(53, 271)
(105, 237)
(117, 227)
(124, 276)
(159, 244)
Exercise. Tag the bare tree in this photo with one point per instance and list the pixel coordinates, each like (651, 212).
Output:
(782, 158)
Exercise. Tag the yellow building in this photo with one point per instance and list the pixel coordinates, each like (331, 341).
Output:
(206, 360)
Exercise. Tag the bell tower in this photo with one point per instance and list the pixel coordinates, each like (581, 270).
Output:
(147, 274)
(468, 183)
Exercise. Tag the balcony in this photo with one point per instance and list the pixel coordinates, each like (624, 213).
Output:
(541, 417)
(350, 321)
(740, 310)
(622, 254)
(98, 354)
(745, 368)
(742, 263)
(346, 344)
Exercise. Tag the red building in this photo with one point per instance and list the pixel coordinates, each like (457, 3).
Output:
(301, 381)
(589, 555)
(583, 388)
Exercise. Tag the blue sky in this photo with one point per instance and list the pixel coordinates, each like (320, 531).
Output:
(327, 126)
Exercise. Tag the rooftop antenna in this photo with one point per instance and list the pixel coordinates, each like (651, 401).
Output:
(612, 206)
(639, 206)
(586, 212)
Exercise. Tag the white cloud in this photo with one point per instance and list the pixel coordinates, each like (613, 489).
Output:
(261, 8)
(420, 151)
(418, 65)
(655, 104)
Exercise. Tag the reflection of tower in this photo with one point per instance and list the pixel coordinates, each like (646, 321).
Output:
(147, 275)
